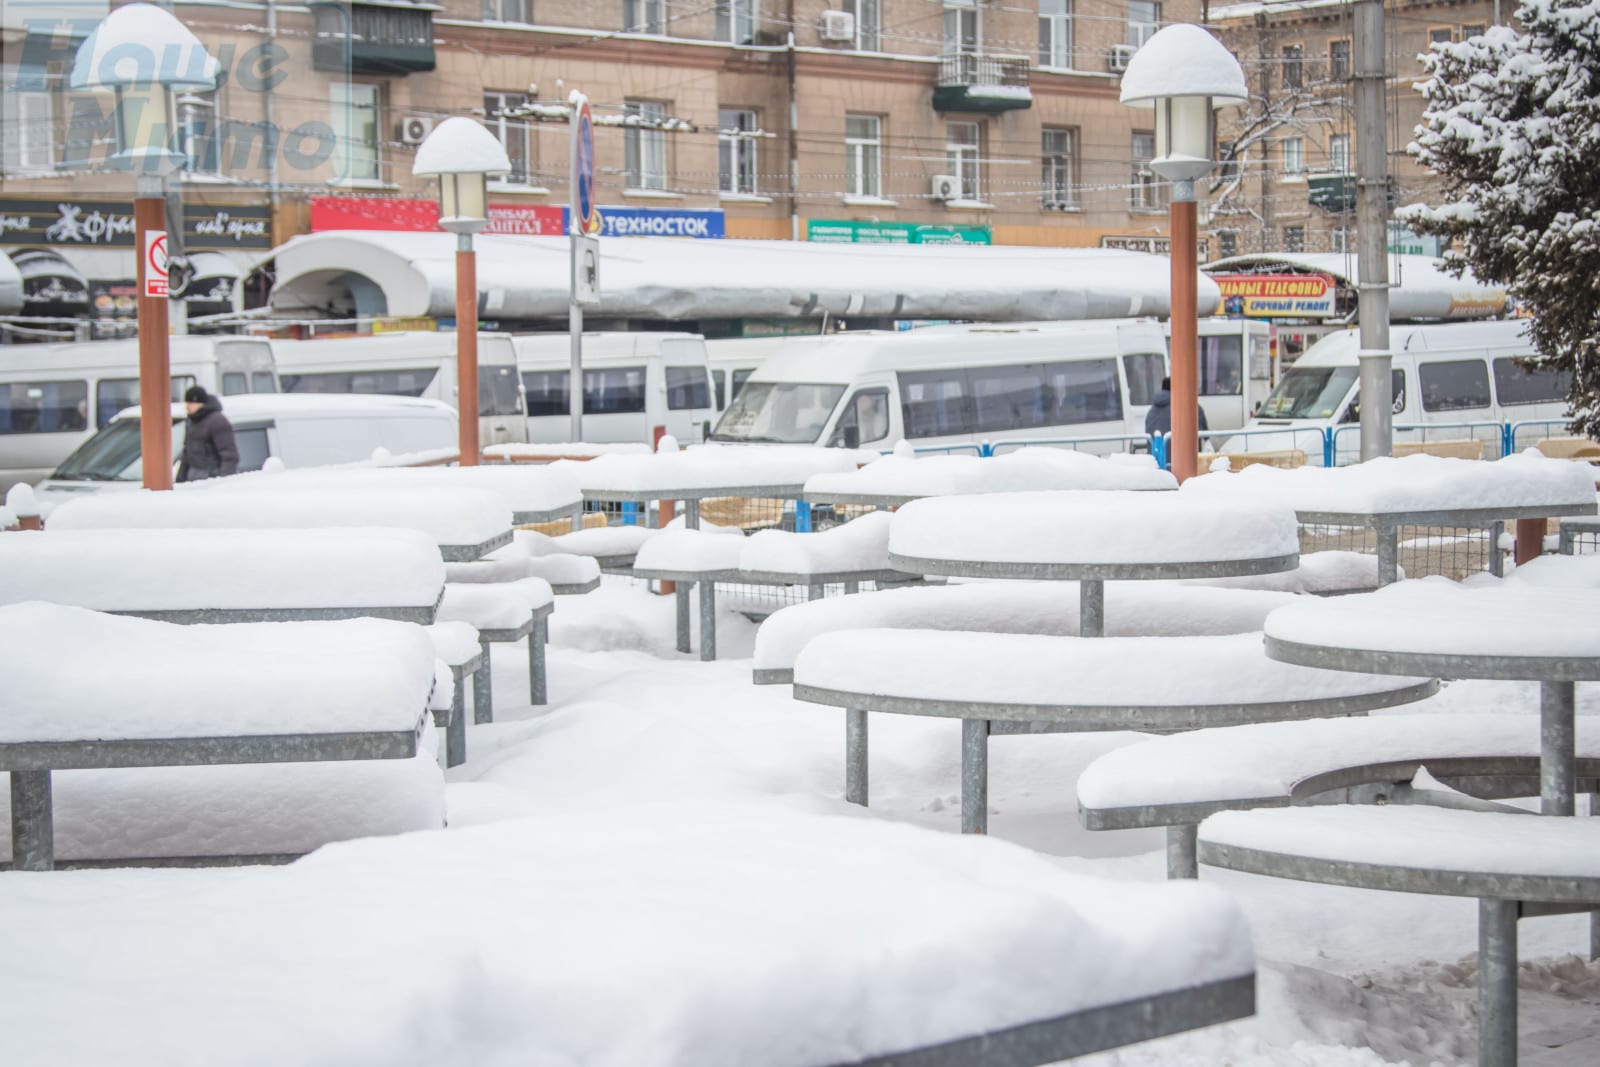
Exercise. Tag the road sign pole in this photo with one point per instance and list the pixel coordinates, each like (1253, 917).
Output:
(155, 375)
(581, 177)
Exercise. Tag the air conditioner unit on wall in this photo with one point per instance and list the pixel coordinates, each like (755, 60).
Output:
(413, 130)
(1120, 55)
(838, 26)
(946, 187)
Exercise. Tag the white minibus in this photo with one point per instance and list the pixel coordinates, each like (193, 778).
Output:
(301, 431)
(636, 386)
(1457, 380)
(1234, 368)
(416, 364)
(955, 386)
(732, 360)
(54, 397)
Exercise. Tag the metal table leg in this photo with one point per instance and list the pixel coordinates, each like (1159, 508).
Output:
(1388, 553)
(538, 638)
(483, 689)
(1497, 562)
(855, 756)
(708, 620)
(1497, 983)
(1091, 607)
(1557, 757)
(1182, 853)
(682, 597)
(455, 734)
(974, 776)
(33, 841)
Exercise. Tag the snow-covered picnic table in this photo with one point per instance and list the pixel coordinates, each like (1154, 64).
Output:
(531, 494)
(463, 523)
(1420, 490)
(1090, 536)
(87, 690)
(216, 576)
(904, 476)
(707, 471)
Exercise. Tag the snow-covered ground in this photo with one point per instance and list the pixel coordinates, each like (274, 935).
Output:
(1347, 978)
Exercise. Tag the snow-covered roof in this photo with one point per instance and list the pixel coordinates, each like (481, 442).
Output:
(668, 278)
(1183, 60)
(138, 42)
(1420, 288)
(460, 146)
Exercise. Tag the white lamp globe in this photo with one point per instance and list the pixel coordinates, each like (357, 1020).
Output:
(1184, 74)
(463, 155)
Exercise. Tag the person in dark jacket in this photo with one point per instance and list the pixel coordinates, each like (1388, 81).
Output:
(1159, 418)
(208, 448)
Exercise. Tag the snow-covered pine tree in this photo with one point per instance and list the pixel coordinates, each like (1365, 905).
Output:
(1513, 126)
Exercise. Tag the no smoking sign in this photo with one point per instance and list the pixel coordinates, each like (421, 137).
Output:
(155, 263)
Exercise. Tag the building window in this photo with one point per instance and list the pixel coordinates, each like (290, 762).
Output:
(355, 132)
(961, 143)
(1294, 238)
(863, 150)
(866, 13)
(736, 151)
(508, 10)
(511, 132)
(1293, 66)
(1057, 155)
(1144, 19)
(1339, 60)
(1339, 241)
(645, 147)
(1055, 33)
(736, 21)
(1148, 193)
(1294, 156)
(1228, 241)
(961, 36)
(644, 16)
(1441, 35)
(1339, 153)
(1469, 32)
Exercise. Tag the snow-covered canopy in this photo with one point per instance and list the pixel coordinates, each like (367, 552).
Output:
(140, 44)
(1183, 60)
(519, 277)
(460, 146)
(1420, 288)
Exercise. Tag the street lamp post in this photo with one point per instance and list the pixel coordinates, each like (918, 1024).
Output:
(142, 55)
(463, 156)
(1184, 74)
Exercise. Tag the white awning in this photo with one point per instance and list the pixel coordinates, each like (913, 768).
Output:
(1419, 287)
(413, 274)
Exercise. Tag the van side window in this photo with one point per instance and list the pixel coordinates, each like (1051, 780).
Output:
(868, 412)
(1516, 384)
(261, 382)
(234, 382)
(252, 445)
(738, 378)
(497, 391)
(111, 395)
(1145, 371)
(44, 407)
(719, 382)
(381, 382)
(935, 403)
(1397, 402)
(613, 391)
(1221, 365)
(547, 392)
(1084, 390)
(1457, 385)
(1009, 398)
(687, 388)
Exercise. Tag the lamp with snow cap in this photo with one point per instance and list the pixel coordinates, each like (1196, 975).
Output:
(142, 55)
(1184, 74)
(463, 155)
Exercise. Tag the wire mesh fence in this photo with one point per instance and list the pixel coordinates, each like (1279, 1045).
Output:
(1423, 551)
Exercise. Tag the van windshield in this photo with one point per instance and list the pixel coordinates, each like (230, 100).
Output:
(1309, 393)
(112, 455)
(790, 413)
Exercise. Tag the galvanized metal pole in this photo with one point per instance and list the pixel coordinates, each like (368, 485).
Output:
(1557, 741)
(483, 689)
(1372, 231)
(1183, 851)
(974, 776)
(708, 620)
(467, 349)
(574, 309)
(538, 676)
(32, 818)
(155, 373)
(1091, 607)
(855, 756)
(1497, 983)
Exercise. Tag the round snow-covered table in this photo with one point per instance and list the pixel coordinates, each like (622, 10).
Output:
(1092, 536)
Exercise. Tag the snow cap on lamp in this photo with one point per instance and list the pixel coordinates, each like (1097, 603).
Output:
(461, 153)
(1184, 73)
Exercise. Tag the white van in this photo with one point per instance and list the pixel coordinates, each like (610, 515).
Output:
(636, 386)
(1455, 379)
(416, 364)
(1234, 365)
(732, 360)
(954, 386)
(54, 397)
(302, 431)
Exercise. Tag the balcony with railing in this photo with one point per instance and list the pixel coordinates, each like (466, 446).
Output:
(983, 84)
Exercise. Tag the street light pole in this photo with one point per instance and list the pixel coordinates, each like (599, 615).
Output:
(1185, 321)
(155, 364)
(467, 348)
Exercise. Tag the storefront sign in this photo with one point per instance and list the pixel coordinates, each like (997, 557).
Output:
(849, 231)
(1155, 246)
(422, 216)
(1265, 296)
(411, 325)
(660, 222)
(56, 223)
(208, 226)
(533, 220)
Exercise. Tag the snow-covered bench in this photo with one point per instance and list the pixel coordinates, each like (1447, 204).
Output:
(1175, 782)
(98, 694)
(1518, 866)
(613, 548)
(504, 612)
(568, 575)
(216, 576)
(1133, 609)
(465, 524)
(458, 650)
(1025, 684)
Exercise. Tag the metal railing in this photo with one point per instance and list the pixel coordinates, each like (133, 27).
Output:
(1345, 441)
(1139, 443)
(962, 69)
